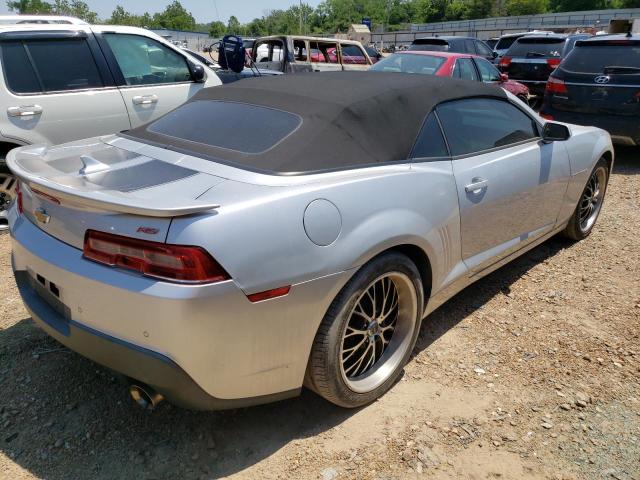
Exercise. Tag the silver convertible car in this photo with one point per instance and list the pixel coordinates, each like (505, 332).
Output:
(290, 231)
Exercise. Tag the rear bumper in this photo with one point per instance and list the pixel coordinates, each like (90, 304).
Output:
(203, 347)
(137, 363)
(623, 130)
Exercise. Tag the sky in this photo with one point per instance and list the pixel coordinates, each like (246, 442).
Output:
(204, 11)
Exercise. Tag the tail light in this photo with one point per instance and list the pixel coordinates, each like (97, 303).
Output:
(553, 62)
(546, 116)
(505, 62)
(19, 198)
(556, 86)
(173, 263)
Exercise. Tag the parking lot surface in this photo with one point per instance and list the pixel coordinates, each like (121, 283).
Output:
(533, 372)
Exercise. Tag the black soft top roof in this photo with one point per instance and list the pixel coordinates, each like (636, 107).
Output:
(348, 119)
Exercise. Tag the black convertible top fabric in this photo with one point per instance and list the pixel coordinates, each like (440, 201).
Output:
(349, 119)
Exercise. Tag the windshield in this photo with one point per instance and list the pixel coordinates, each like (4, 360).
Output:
(429, 45)
(505, 42)
(409, 63)
(588, 58)
(537, 47)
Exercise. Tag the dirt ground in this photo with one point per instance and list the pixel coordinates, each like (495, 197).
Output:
(532, 373)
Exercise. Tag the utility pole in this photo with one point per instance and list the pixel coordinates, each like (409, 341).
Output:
(300, 17)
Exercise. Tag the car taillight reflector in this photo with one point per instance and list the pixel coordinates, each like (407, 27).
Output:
(276, 292)
(19, 198)
(505, 61)
(546, 117)
(553, 62)
(555, 85)
(174, 263)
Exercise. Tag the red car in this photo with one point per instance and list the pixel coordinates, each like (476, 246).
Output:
(447, 64)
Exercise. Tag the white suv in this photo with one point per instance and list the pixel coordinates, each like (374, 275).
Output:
(63, 82)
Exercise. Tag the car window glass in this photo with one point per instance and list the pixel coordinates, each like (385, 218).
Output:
(505, 42)
(60, 64)
(488, 72)
(531, 47)
(19, 73)
(478, 124)
(430, 143)
(409, 63)
(225, 125)
(483, 50)
(465, 70)
(351, 54)
(433, 45)
(594, 57)
(469, 47)
(144, 61)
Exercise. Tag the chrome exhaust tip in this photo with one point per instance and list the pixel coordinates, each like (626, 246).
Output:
(145, 396)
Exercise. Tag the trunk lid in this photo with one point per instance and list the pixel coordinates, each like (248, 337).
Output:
(69, 189)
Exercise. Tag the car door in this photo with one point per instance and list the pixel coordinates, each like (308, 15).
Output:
(58, 88)
(465, 69)
(510, 184)
(353, 57)
(153, 78)
(324, 56)
(488, 72)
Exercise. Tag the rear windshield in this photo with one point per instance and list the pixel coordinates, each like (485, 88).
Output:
(589, 58)
(505, 42)
(537, 47)
(409, 63)
(232, 126)
(430, 45)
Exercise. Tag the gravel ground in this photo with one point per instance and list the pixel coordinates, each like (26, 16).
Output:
(533, 372)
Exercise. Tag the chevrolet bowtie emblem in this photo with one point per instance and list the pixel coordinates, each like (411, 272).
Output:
(41, 215)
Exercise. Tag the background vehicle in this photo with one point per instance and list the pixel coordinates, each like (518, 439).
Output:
(374, 54)
(456, 65)
(39, 19)
(63, 82)
(492, 42)
(505, 42)
(292, 54)
(227, 266)
(469, 45)
(532, 58)
(599, 84)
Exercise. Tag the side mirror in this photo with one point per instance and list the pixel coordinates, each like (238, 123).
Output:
(504, 77)
(555, 132)
(197, 73)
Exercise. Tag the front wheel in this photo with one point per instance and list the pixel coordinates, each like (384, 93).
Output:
(368, 332)
(588, 209)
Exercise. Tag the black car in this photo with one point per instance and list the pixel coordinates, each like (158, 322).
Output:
(469, 45)
(532, 58)
(599, 84)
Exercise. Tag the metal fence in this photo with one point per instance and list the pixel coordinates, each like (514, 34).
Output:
(194, 40)
(494, 27)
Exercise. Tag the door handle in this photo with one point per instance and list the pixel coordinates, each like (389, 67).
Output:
(24, 111)
(145, 99)
(477, 184)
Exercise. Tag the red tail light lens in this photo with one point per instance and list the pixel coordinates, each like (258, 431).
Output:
(174, 263)
(545, 116)
(505, 62)
(553, 62)
(555, 85)
(19, 198)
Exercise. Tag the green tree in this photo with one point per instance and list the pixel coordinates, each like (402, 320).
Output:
(121, 17)
(174, 17)
(29, 6)
(75, 8)
(526, 7)
(478, 9)
(234, 27)
(576, 5)
(217, 29)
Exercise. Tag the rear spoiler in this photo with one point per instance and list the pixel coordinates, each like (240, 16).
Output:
(109, 200)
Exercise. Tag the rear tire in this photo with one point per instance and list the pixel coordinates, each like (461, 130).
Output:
(590, 204)
(368, 333)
